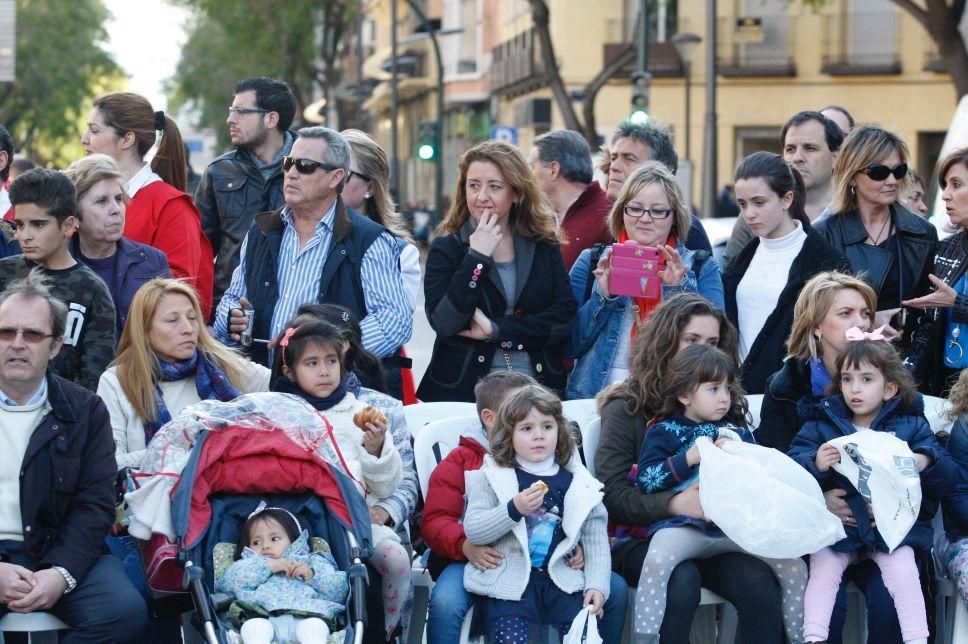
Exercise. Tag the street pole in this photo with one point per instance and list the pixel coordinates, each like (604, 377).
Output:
(688, 70)
(710, 148)
(394, 107)
(439, 132)
(643, 58)
(359, 65)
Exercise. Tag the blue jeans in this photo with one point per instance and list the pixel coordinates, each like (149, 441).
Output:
(449, 603)
(882, 624)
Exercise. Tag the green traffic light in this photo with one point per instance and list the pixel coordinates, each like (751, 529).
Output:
(639, 117)
(425, 152)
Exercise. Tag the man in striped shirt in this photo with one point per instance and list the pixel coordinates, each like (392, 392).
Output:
(315, 249)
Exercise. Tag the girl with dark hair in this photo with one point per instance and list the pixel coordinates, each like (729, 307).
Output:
(700, 398)
(763, 281)
(746, 582)
(125, 127)
(274, 569)
(874, 393)
(313, 369)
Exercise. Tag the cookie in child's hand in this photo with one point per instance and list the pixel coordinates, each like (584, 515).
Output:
(541, 485)
(368, 415)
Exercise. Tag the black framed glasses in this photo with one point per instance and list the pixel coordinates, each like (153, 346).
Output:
(655, 213)
(306, 166)
(880, 172)
(242, 111)
(354, 173)
(8, 334)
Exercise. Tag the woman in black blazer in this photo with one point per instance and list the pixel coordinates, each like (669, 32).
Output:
(496, 289)
(784, 254)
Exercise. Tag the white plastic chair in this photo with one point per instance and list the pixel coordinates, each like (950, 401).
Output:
(755, 402)
(591, 433)
(582, 411)
(41, 628)
(422, 413)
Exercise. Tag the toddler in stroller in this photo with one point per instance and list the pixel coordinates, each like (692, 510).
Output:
(282, 590)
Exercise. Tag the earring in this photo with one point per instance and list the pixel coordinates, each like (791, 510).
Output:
(853, 192)
(367, 195)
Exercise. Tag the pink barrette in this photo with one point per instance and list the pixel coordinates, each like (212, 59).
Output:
(855, 333)
(284, 342)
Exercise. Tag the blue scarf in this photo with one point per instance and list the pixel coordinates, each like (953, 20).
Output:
(210, 382)
(287, 386)
(819, 378)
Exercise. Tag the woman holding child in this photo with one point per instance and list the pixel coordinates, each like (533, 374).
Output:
(626, 410)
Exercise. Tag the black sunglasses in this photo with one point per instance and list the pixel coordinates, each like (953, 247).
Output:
(880, 172)
(30, 336)
(354, 173)
(306, 166)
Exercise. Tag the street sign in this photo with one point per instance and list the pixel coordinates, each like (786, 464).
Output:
(749, 30)
(506, 133)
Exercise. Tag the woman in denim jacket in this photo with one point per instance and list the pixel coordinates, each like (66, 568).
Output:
(651, 211)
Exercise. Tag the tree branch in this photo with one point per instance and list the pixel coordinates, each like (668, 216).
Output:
(919, 14)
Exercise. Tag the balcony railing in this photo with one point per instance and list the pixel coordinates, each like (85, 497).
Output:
(861, 43)
(664, 62)
(516, 67)
(756, 46)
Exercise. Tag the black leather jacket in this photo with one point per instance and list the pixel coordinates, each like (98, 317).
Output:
(917, 241)
(232, 191)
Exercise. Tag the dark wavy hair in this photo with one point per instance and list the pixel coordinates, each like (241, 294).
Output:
(883, 357)
(694, 366)
(514, 409)
(311, 333)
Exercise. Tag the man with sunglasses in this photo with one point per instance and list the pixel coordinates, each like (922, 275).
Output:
(316, 249)
(45, 216)
(57, 473)
(248, 180)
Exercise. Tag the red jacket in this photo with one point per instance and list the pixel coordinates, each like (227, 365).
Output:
(444, 506)
(166, 218)
(586, 223)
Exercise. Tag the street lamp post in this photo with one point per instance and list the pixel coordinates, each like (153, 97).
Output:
(709, 180)
(394, 106)
(685, 46)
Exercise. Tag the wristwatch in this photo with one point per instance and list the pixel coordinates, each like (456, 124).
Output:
(68, 577)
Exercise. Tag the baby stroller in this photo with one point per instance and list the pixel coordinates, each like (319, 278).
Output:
(238, 457)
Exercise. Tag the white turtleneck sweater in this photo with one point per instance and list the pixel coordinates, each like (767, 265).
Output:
(17, 425)
(760, 288)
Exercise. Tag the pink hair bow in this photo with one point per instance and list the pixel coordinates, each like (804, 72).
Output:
(284, 342)
(855, 333)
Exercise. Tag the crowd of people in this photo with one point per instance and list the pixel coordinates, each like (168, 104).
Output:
(124, 300)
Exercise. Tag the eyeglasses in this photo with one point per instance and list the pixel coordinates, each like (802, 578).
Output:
(636, 212)
(32, 336)
(242, 111)
(354, 173)
(306, 166)
(880, 172)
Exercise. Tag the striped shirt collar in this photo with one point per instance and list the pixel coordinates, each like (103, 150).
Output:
(39, 396)
(326, 223)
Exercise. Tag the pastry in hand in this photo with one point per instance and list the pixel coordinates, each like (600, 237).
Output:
(541, 485)
(368, 415)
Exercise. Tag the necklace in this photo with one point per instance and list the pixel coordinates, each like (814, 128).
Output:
(877, 240)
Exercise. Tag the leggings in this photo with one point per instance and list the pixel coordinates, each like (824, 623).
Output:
(900, 573)
(671, 546)
(391, 561)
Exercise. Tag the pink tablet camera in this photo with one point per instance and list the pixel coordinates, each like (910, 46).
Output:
(635, 271)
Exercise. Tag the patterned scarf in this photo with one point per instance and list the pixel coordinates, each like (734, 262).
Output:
(210, 382)
(287, 386)
(644, 307)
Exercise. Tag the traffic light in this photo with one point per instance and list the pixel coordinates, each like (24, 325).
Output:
(427, 140)
(640, 97)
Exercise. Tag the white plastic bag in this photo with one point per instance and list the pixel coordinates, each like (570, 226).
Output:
(881, 467)
(764, 501)
(584, 629)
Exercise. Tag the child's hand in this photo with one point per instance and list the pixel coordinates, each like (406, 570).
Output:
(923, 461)
(301, 571)
(692, 456)
(279, 565)
(719, 442)
(482, 557)
(373, 437)
(827, 455)
(529, 500)
(577, 559)
(595, 601)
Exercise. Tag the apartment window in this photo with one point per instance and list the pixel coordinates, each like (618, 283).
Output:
(757, 139)
(758, 41)
(469, 50)
(863, 39)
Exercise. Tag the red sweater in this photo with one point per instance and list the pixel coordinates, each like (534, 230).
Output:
(586, 223)
(444, 506)
(162, 216)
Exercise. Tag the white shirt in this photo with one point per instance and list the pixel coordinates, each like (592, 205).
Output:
(764, 280)
(17, 425)
(619, 369)
(4, 201)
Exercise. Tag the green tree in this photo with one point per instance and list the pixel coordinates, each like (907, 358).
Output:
(61, 63)
(297, 41)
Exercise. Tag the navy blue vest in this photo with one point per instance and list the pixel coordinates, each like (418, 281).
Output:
(339, 283)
